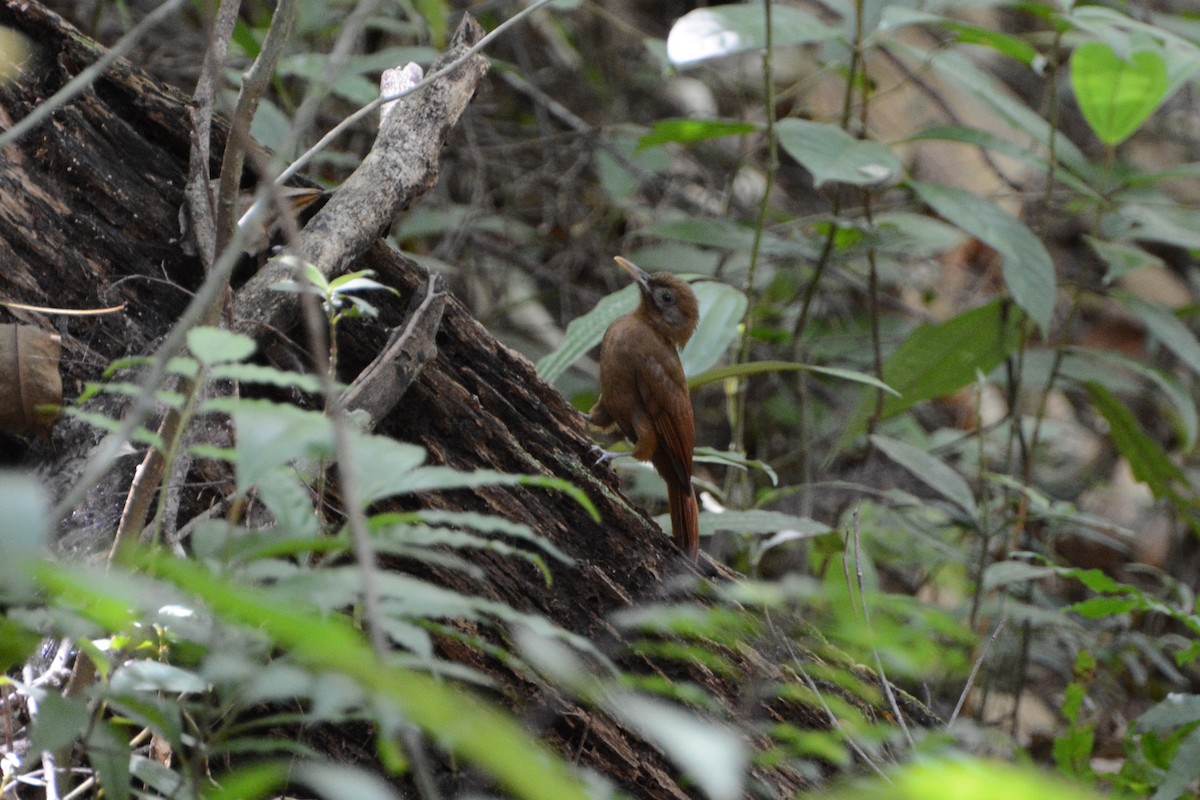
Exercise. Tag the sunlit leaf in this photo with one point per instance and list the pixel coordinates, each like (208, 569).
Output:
(1115, 94)
(721, 30)
(688, 131)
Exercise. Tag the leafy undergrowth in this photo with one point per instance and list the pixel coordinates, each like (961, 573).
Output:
(946, 371)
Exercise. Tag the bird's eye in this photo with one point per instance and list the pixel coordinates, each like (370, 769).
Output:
(667, 297)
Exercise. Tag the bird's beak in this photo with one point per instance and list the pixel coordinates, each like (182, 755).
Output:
(640, 275)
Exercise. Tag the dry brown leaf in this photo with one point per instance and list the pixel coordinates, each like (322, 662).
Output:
(30, 386)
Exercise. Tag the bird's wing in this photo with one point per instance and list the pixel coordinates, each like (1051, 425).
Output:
(663, 389)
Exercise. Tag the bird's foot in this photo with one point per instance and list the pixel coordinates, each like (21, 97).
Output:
(606, 455)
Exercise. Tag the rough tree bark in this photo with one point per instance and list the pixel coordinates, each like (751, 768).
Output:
(89, 216)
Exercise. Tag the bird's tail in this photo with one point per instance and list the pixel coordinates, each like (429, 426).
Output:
(685, 518)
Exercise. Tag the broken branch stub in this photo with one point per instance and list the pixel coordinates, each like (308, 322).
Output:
(402, 165)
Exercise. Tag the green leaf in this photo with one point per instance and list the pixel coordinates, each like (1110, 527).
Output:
(270, 435)
(155, 676)
(1028, 270)
(250, 782)
(337, 782)
(759, 367)
(465, 725)
(939, 358)
(1168, 386)
(688, 131)
(931, 471)
(1117, 95)
(108, 753)
(831, 154)
(1120, 258)
(16, 643)
(24, 528)
(1177, 710)
(710, 455)
(1168, 329)
(1184, 769)
(1146, 458)
(216, 345)
(721, 310)
(268, 376)
(1107, 606)
(585, 332)
(714, 756)
(755, 520)
(895, 16)
(58, 723)
(721, 30)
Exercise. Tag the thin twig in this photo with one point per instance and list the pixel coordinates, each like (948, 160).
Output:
(962, 698)
(342, 126)
(254, 85)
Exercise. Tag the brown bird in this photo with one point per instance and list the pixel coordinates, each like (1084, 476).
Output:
(644, 393)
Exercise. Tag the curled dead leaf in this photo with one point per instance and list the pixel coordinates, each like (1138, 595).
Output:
(30, 386)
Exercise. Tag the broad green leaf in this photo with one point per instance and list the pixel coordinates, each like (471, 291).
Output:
(1169, 387)
(24, 529)
(257, 373)
(755, 520)
(16, 643)
(1028, 270)
(1101, 607)
(585, 332)
(931, 471)
(1168, 329)
(474, 730)
(381, 464)
(144, 675)
(1002, 573)
(337, 782)
(1176, 710)
(711, 455)
(1183, 771)
(270, 435)
(216, 345)
(937, 359)
(1117, 95)
(831, 154)
(989, 141)
(759, 367)
(1120, 258)
(1154, 217)
(59, 721)
(896, 16)
(957, 778)
(108, 753)
(250, 782)
(1146, 458)
(721, 310)
(687, 131)
(960, 72)
(710, 754)
(722, 30)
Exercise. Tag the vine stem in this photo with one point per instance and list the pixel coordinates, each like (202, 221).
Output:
(738, 439)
